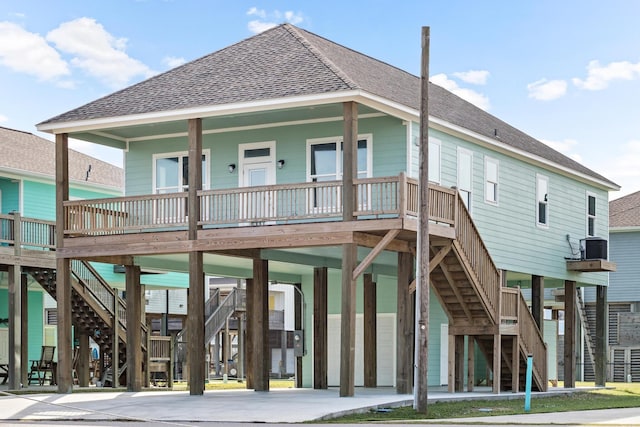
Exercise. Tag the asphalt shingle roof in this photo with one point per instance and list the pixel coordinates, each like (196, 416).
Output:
(24, 152)
(625, 211)
(288, 61)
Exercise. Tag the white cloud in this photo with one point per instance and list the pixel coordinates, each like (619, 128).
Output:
(623, 169)
(269, 20)
(3, 118)
(97, 52)
(566, 147)
(172, 61)
(476, 98)
(599, 76)
(476, 77)
(29, 53)
(547, 90)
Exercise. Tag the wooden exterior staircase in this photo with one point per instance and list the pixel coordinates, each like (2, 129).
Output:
(469, 288)
(95, 307)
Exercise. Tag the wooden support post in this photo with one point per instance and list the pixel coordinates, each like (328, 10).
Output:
(63, 269)
(459, 361)
(515, 364)
(260, 340)
(404, 325)
(134, 331)
(537, 301)
(320, 336)
(451, 382)
(251, 317)
(84, 353)
(15, 324)
(471, 368)
(570, 329)
(348, 321)
(370, 331)
(602, 316)
(422, 290)
(24, 330)
(497, 362)
(195, 325)
(115, 343)
(147, 355)
(298, 326)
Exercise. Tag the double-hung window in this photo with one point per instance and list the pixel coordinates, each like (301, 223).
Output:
(171, 175)
(591, 215)
(491, 180)
(542, 200)
(325, 164)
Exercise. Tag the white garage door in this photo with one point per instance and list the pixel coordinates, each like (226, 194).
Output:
(386, 348)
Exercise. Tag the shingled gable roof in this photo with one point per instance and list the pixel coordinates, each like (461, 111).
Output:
(26, 154)
(625, 211)
(287, 61)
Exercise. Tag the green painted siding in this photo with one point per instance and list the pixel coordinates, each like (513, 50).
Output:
(529, 248)
(388, 142)
(35, 317)
(10, 193)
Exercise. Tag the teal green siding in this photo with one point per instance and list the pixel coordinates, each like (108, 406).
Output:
(10, 193)
(35, 318)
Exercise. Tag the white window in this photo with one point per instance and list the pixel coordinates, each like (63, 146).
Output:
(435, 147)
(171, 172)
(465, 175)
(591, 215)
(491, 180)
(542, 196)
(324, 163)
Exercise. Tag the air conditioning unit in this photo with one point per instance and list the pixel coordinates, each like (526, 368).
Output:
(595, 248)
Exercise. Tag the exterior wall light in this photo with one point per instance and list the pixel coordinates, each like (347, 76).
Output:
(232, 167)
(280, 164)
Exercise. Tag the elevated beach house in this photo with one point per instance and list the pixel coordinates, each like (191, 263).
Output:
(287, 157)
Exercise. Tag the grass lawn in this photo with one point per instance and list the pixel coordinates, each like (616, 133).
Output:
(622, 395)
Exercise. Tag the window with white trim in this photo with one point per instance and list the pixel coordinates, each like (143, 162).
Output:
(465, 175)
(435, 148)
(491, 180)
(325, 164)
(171, 172)
(542, 200)
(591, 215)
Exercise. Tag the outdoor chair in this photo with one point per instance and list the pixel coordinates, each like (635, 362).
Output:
(39, 368)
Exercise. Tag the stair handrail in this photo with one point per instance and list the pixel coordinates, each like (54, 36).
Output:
(478, 255)
(233, 302)
(532, 340)
(210, 306)
(103, 293)
(585, 327)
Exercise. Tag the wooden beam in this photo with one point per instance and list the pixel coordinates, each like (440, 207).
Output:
(298, 321)
(84, 353)
(471, 367)
(456, 291)
(602, 339)
(250, 315)
(515, 364)
(348, 321)
(570, 325)
(349, 159)
(404, 325)
(497, 360)
(320, 328)
(370, 331)
(371, 240)
(451, 364)
(63, 269)
(439, 256)
(194, 132)
(260, 339)
(459, 361)
(134, 332)
(15, 324)
(537, 301)
(24, 330)
(195, 325)
(366, 262)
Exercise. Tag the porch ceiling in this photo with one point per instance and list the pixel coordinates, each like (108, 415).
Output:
(117, 136)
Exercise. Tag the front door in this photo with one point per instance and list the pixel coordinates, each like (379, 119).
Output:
(257, 169)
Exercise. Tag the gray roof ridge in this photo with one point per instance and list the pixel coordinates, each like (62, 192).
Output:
(296, 33)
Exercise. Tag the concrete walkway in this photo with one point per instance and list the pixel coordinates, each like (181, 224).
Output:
(275, 406)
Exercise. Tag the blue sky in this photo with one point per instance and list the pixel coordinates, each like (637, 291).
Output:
(566, 72)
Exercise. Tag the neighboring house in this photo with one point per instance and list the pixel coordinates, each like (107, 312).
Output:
(623, 294)
(27, 189)
(234, 167)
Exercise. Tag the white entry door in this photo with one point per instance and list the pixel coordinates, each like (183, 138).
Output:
(444, 354)
(257, 169)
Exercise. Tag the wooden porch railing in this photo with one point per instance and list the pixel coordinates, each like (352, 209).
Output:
(31, 233)
(509, 305)
(271, 204)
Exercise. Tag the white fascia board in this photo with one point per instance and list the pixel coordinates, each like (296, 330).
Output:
(627, 229)
(199, 112)
(447, 127)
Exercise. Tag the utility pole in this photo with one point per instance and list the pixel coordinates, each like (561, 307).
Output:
(422, 290)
